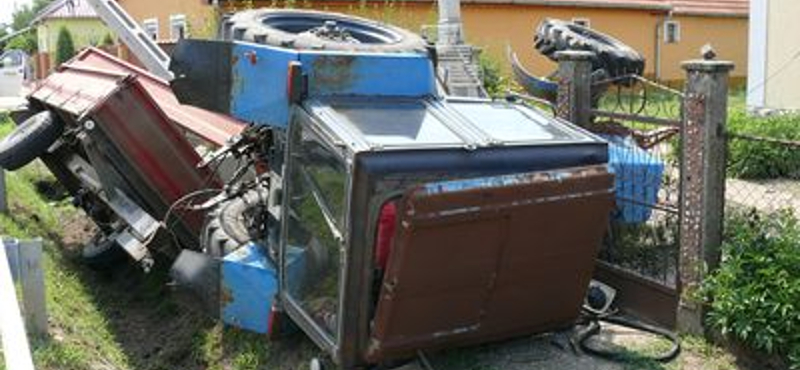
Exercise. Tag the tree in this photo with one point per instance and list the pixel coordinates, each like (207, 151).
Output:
(20, 19)
(65, 48)
(26, 42)
(22, 16)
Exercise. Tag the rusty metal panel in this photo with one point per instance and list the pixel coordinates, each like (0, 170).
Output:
(155, 155)
(506, 256)
(93, 74)
(639, 296)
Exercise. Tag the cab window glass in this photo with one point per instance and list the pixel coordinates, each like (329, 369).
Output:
(316, 213)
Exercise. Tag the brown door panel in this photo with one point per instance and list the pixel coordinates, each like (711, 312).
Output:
(481, 263)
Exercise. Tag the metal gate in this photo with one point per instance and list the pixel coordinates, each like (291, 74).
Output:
(643, 123)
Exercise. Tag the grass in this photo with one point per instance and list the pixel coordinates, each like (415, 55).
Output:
(82, 334)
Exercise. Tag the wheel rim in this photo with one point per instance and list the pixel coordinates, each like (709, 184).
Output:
(98, 245)
(359, 31)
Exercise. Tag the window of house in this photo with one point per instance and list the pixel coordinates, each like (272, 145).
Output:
(177, 26)
(672, 32)
(584, 22)
(150, 26)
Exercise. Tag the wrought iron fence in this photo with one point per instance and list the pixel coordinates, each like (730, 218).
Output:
(642, 121)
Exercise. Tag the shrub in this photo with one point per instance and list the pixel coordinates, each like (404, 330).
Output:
(755, 294)
(108, 40)
(750, 159)
(493, 80)
(65, 48)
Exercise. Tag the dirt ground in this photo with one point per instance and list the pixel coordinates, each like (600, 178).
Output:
(138, 308)
(156, 327)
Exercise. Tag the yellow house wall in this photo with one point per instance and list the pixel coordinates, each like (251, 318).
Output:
(85, 32)
(493, 27)
(783, 66)
(727, 35)
(496, 26)
(201, 18)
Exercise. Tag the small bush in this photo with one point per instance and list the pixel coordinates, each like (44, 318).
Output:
(493, 80)
(755, 294)
(108, 40)
(65, 47)
(750, 159)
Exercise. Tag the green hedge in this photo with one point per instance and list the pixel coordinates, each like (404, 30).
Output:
(755, 294)
(761, 160)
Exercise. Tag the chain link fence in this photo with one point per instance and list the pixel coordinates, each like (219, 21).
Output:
(763, 175)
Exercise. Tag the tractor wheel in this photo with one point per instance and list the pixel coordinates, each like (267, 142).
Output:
(29, 140)
(611, 56)
(235, 223)
(314, 30)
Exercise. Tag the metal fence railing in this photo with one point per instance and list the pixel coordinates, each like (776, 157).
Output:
(642, 121)
(21, 262)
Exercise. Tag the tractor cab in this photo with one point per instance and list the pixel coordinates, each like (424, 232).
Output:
(396, 212)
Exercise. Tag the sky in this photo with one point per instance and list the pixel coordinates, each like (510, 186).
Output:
(7, 8)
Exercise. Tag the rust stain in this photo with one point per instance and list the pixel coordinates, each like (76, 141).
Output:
(334, 72)
(252, 57)
(225, 296)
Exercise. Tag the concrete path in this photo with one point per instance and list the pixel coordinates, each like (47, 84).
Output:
(766, 196)
(545, 352)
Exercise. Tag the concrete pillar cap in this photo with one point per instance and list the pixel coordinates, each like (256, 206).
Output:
(701, 65)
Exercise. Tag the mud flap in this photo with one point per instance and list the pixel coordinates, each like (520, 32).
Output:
(490, 258)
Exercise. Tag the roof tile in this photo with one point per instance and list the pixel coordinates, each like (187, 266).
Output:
(66, 9)
(712, 7)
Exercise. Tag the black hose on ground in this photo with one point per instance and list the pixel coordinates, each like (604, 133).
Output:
(594, 329)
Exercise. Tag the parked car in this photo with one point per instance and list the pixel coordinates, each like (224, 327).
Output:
(15, 69)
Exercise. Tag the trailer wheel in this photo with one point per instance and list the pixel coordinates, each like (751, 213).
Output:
(235, 223)
(314, 30)
(103, 253)
(611, 55)
(29, 140)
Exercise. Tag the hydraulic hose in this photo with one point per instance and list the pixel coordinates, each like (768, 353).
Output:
(593, 328)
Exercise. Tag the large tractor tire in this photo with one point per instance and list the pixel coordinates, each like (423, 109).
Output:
(234, 223)
(612, 57)
(314, 30)
(29, 140)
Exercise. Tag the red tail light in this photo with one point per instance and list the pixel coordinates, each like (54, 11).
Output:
(387, 222)
(295, 82)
